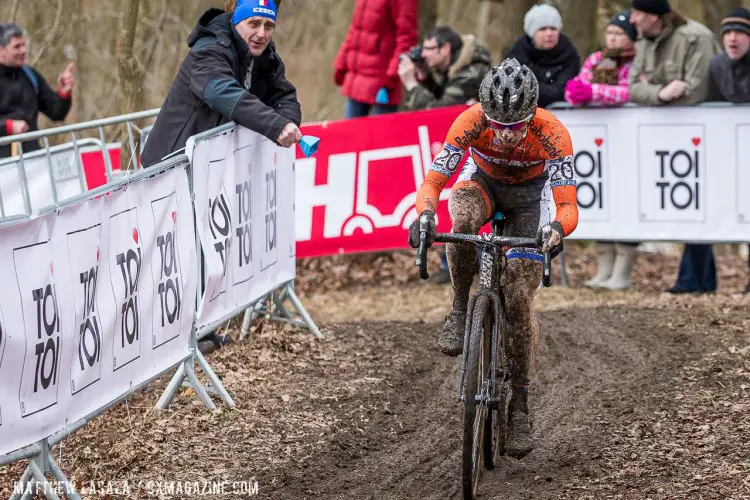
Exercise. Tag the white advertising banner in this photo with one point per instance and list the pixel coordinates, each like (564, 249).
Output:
(95, 300)
(671, 174)
(244, 202)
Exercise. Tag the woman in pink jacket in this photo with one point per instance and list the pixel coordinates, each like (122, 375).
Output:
(603, 81)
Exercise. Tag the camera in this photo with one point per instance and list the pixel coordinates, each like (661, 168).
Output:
(415, 54)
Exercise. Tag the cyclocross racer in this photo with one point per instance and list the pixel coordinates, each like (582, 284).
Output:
(518, 155)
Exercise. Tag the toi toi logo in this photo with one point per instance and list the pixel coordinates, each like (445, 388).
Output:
(679, 182)
(588, 167)
(47, 349)
(130, 266)
(243, 223)
(220, 225)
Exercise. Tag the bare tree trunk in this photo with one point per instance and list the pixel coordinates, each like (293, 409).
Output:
(505, 25)
(131, 79)
(428, 15)
(690, 8)
(579, 23)
(13, 11)
(715, 11)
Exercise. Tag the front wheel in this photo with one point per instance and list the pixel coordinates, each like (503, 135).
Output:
(476, 411)
(496, 426)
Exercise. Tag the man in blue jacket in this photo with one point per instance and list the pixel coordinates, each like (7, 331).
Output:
(232, 73)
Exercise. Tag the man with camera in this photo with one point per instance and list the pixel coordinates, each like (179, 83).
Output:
(446, 70)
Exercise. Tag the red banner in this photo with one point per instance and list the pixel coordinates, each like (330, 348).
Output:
(358, 192)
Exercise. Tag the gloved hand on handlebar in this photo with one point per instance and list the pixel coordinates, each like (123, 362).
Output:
(414, 229)
(550, 236)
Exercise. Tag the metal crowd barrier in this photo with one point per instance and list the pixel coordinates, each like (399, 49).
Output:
(76, 143)
(41, 461)
(272, 305)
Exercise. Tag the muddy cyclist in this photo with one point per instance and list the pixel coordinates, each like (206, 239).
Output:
(519, 156)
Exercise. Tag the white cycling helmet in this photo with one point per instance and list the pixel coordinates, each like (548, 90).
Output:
(509, 93)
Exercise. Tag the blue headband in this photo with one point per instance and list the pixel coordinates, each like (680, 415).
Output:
(254, 8)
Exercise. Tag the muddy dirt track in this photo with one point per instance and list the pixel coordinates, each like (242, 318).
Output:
(609, 420)
(637, 395)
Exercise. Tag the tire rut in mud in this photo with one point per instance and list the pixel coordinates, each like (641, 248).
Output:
(593, 367)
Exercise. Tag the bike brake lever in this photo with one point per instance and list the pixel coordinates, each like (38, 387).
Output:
(547, 270)
(422, 251)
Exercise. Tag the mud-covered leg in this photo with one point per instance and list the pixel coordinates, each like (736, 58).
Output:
(520, 283)
(468, 210)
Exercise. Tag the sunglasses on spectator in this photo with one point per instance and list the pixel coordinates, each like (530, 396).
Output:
(515, 127)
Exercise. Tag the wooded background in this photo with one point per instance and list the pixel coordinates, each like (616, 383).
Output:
(128, 51)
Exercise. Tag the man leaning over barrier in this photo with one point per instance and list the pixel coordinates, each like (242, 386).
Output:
(232, 73)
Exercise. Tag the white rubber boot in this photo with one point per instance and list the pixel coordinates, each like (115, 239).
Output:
(605, 261)
(622, 271)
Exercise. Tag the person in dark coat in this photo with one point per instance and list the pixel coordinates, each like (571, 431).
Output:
(547, 52)
(24, 93)
(729, 73)
(232, 73)
(366, 67)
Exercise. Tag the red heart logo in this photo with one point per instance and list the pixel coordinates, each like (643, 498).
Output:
(696, 140)
(97, 254)
(599, 141)
(51, 268)
(174, 216)
(135, 235)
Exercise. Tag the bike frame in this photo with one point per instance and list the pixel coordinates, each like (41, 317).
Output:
(492, 266)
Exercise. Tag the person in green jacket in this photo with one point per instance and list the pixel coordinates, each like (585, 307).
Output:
(450, 72)
(671, 67)
(672, 56)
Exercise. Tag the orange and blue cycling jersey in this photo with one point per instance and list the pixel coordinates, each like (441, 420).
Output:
(545, 151)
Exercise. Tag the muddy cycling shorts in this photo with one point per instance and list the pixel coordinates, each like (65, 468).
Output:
(525, 207)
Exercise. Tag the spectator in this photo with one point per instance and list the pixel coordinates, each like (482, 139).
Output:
(672, 57)
(547, 52)
(604, 76)
(604, 81)
(671, 68)
(450, 72)
(232, 73)
(729, 73)
(24, 93)
(367, 63)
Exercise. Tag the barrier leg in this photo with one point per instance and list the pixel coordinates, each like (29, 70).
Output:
(33, 481)
(47, 489)
(250, 314)
(216, 383)
(58, 474)
(18, 493)
(278, 301)
(198, 387)
(171, 391)
(289, 289)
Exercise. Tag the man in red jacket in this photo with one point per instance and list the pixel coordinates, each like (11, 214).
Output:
(367, 63)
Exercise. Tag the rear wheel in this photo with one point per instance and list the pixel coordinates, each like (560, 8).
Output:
(475, 412)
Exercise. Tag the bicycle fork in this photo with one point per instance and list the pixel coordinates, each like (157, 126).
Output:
(496, 304)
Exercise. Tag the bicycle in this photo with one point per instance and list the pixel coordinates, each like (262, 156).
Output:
(482, 376)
